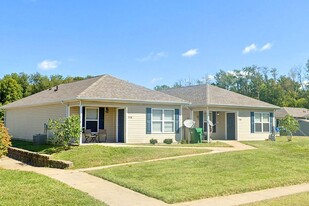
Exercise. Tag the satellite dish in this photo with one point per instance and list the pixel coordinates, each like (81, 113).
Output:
(189, 123)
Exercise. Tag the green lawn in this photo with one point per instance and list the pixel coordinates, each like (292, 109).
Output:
(96, 155)
(301, 199)
(273, 164)
(43, 149)
(27, 188)
(212, 144)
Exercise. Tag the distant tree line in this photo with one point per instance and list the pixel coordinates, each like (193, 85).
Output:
(16, 86)
(262, 83)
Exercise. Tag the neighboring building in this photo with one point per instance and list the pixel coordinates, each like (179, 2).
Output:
(301, 114)
(128, 112)
(235, 116)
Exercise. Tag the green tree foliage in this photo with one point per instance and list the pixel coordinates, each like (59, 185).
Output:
(289, 124)
(5, 139)
(10, 90)
(161, 87)
(66, 130)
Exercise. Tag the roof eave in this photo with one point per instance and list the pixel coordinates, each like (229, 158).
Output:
(235, 106)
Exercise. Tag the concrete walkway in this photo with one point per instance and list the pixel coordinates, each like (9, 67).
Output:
(115, 195)
(236, 146)
(105, 191)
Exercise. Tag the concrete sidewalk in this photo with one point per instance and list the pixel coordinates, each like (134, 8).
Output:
(115, 195)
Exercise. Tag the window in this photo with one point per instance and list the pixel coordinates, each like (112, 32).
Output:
(163, 121)
(261, 122)
(92, 119)
(212, 118)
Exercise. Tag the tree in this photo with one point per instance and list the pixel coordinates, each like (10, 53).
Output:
(290, 125)
(10, 90)
(161, 87)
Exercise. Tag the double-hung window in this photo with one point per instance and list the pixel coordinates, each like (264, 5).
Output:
(92, 119)
(163, 121)
(261, 122)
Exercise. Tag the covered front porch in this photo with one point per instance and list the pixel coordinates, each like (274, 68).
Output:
(222, 125)
(100, 123)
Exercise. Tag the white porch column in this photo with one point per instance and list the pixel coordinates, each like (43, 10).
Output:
(191, 117)
(81, 122)
(207, 117)
(180, 123)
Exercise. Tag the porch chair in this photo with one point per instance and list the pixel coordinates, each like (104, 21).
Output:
(89, 135)
(102, 135)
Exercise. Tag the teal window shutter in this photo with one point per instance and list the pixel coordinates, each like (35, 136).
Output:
(271, 122)
(252, 121)
(214, 121)
(201, 119)
(177, 121)
(148, 120)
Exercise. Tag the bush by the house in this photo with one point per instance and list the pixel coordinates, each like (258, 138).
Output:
(5, 139)
(66, 130)
(168, 141)
(153, 141)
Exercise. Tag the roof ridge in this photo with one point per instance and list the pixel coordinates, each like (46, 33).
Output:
(94, 83)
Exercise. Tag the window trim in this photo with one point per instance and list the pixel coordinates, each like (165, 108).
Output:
(92, 120)
(163, 121)
(262, 122)
(210, 118)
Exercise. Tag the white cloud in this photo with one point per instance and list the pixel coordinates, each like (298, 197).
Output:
(153, 56)
(190, 53)
(48, 64)
(266, 47)
(155, 80)
(250, 48)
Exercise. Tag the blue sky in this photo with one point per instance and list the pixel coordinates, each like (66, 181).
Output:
(151, 42)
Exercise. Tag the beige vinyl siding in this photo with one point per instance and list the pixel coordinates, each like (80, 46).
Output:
(74, 110)
(244, 126)
(137, 125)
(110, 124)
(220, 127)
(23, 123)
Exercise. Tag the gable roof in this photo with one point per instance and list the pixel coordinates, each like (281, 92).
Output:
(100, 88)
(209, 95)
(294, 112)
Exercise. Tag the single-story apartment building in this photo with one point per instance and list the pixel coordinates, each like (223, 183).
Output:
(234, 116)
(129, 113)
(300, 114)
(134, 114)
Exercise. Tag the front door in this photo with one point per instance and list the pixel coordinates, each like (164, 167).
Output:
(120, 125)
(230, 126)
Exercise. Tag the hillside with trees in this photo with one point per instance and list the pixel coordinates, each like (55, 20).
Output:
(291, 90)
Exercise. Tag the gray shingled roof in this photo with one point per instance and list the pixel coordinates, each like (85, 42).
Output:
(209, 95)
(294, 112)
(105, 88)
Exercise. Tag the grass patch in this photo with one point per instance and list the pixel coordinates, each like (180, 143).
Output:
(212, 144)
(301, 199)
(42, 149)
(273, 164)
(28, 188)
(97, 155)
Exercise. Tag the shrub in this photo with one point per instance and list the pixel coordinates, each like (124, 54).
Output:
(66, 130)
(153, 141)
(5, 139)
(168, 141)
(184, 141)
(289, 125)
